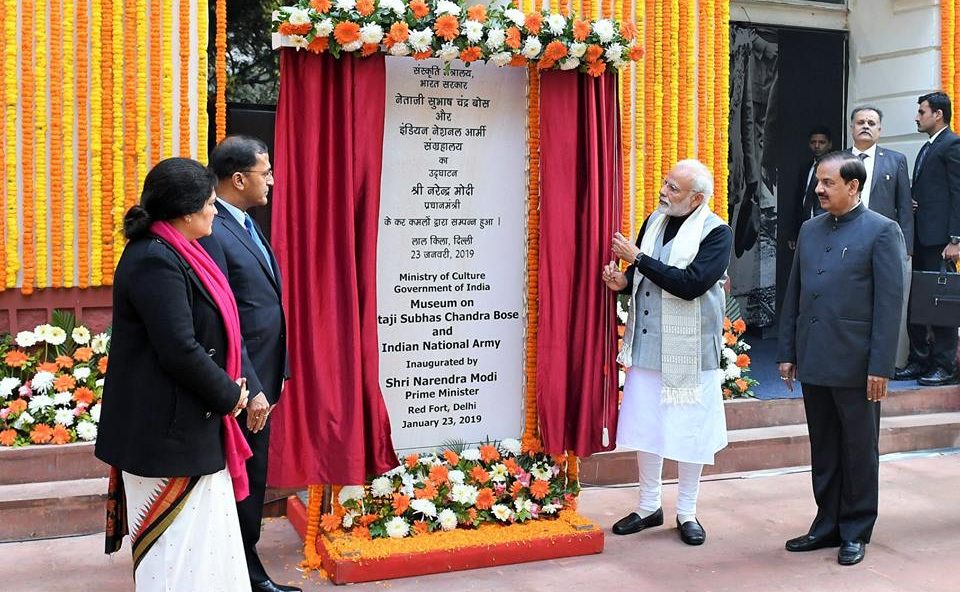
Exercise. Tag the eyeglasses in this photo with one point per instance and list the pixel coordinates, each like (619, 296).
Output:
(673, 187)
(265, 174)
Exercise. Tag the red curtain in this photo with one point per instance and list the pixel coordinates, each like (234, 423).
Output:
(332, 424)
(580, 209)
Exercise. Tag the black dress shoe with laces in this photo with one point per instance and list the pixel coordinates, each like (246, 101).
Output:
(851, 552)
(691, 532)
(632, 522)
(808, 542)
(911, 371)
(271, 586)
(937, 377)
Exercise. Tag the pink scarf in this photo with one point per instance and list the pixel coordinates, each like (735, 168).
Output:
(234, 444)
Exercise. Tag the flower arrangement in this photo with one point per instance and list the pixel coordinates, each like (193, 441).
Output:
(735, 362)
(51, 381)
(502, 483)
(502, 35)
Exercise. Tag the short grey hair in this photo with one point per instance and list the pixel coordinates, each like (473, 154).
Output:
(702, 178)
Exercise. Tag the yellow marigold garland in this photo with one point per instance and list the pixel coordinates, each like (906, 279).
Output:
(155, 43)
(688, 45)
(183, 136)
(671, 101)
(169, 55)
(203, 120)
(96, 141)
(220, 69)
(56, 143)
(5, 195)
(956, 49)
(10, 94)
(651, 139)
(106, 171)
(142, 32)
(41, 175)
(684, 86)
(626, 126)
(947, 47)
(640, 122)
(132, 84)
(84, 98)
(121, 88)
(27, 139)
(721, 173)
(658, 94)
(533, 251)
(66, 251)
(707, 87)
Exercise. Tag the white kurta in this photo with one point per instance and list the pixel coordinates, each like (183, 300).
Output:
(201, 549)
(686, 433)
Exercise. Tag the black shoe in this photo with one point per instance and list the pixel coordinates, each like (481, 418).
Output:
(937, 377)
(692, 532)
(634, 523)
(912, 371)
(271, 586)
(808, 542)
(851, 552)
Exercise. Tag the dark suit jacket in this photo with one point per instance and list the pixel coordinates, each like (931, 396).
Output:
(936, 189)
(166, 390)
(259, 301)
(804, 201)
(841, 312)
(890, 191)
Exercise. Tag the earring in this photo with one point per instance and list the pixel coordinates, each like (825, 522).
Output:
(188, 218)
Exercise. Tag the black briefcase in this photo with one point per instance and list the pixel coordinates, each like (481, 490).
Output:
(935, 298)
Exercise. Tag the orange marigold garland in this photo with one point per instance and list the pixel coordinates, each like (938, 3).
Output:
(640, 120)
(671, 101)
(314, 509)
(132, 83)
(155, 44)
(56, 143)
(203, 120)
(70, 107)
(10, 162)
(41, 173)
(533, 251)
(221, 70)
(28, 146)
(721, 173)
(651, 110)
(183, 137)
(657, 141)
(105, 214)
(96, 141)
(83, 148)
(121, 88)
(688, 48)
(947, 47)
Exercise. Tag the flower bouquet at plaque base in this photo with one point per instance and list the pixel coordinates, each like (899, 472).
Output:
(502, 483)
(51, 381)
(735, 362)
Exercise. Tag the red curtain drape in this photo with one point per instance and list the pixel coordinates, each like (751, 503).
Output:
(332, 424)
(580, 209)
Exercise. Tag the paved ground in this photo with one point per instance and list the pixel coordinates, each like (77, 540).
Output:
(916, 546)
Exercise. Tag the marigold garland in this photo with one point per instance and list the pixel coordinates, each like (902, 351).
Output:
(947, 47)
(640, 121)
(133, 78)
(143, 49)
(27, 135)
(166, 99)
(721, 173)
(688, 91)
(10, 94)
(671, 105)
(96, 141)
(83, 145)
(955, 91)
(220, 70)
(41, 174)
(183, 137)
(5, 195)
(651, 110)
(203, 119)
(656, 141)
(530, 429)
(310, 539)
(122, 87)
(56, 142)
(684, 86)
(155, 44)
(104, 246)
(66, 251)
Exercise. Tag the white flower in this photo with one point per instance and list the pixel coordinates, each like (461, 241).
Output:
(448, 519)
(26, 339)
(744, 346)
(400, 49)
(510, 445)
(407, 483)
(95, 413)
(99, 343)
(346, 4)
(516, 16)
(63, 417)
(522, 504)
(57, 336)
(323, 28)
(531, 48)
(463, 494)
(42, 381)
(603, 29)
(448, 52)
(424, 506)
(395, 5)
(353, 45)
(80, 335)
(7, 384)
(498, 473)
(447, 7)
(299, 16)
(577, 49)
(502, 512)
(621, 374)
(420, 40)
(495, 38)
(541, 472)
(731, 372)
(472, 454)
(61, 399)
(614, 52)
(81, 373)
(397, 528)
(347, 519)
(23, 420)
(501, 59)
(381, 487)
(456, 476)
(298, 41)
(275, 16)
(473, 30)
(556, 23)
(371, 33)
(618, 63)
(86, 431)
(350, 492)
(99, 382)
(398, 470)
(730, 355)
(549, 508)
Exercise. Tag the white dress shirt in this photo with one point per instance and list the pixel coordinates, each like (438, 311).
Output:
(868, 163)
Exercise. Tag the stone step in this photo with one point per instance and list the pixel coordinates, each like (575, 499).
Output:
(52, 509)
(37, 464)
(771, 447)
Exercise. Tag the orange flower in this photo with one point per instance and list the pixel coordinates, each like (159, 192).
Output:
(729, 338)
(727, 393)
(102, 365)
(513, 38)
(399, 32)
(361, 532)
(419, 8)
(17, 406)
(472, 514)
(470, 54)
(420, 527)
(16, 359)
(636, 52)
(555, 50)
(8, 437)
(369, 49)
(367, 519)
(485, 499)
(411, 460)
(511, 465)
(742, 385)
(319, 44)
(581, 29)
(518, 61)
(447, 27)
(451, 456)
(727, 325)
(593, 54)
(428, 491)
(439, 474)
(61, 435)
(346, 32)
(291, 29)
(479, 475)
(65, 362)
(546, 63)
(516, 489)
(539, 489)
(330, 522)
(628, 30)
(477, 12)
(365, 7)
(400, 504)
(532, 22)
(83, 395)
(743, 360)
(489, 453)
(50, 367)
(41, 434)
(422, 55)
(64, 382)
(739, 326)
(531, 446)
(321, 6)
(83, 354)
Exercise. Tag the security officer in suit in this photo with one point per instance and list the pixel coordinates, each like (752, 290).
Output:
(806, 205)
(244, 178)
(936, 191)
(838, 336)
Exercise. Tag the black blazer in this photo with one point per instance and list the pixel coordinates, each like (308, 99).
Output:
(259, 301)
(166, 389)
(890, 191)
(936, 189)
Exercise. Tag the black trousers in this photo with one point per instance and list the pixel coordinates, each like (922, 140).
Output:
(844, 429)
(942, 352)
(250, 510)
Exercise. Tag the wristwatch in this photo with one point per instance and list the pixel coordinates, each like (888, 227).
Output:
(636, 260)
(955, 240)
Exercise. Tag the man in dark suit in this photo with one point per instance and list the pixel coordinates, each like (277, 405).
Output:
(843, 350)
(244, 178)
(805, 203)
(936, 192)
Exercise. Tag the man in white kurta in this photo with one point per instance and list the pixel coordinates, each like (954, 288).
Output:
(672, 400)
